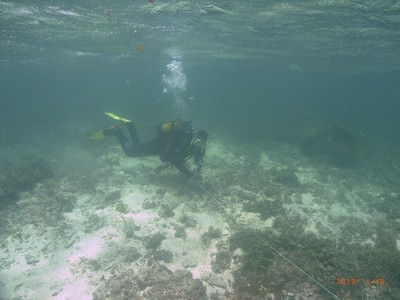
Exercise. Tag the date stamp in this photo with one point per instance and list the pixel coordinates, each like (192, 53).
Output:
(346, 281)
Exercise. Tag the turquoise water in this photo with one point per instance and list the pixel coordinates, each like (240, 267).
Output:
(282, 63)
(257, 75)
(239, 98)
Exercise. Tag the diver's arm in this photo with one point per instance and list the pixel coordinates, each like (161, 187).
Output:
(184, 170)
(198, 160)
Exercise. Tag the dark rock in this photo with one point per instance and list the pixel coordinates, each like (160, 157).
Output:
(216, 281)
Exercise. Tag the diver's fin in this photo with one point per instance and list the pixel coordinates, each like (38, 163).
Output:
(118, 118)
(96, 135)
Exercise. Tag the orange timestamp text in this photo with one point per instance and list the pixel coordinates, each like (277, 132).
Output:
(356, 281)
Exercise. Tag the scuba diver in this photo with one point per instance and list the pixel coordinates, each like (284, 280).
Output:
(176, 142)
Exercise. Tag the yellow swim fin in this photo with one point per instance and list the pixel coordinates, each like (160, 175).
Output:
(118, 118)
(96, 135)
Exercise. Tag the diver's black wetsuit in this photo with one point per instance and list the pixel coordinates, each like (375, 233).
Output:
(173, 148)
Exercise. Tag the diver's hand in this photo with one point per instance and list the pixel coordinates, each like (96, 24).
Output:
(195, 176)
(195, 172)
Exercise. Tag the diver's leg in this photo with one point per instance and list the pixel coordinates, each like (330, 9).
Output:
(150, 148)
(126, 145)
(132, 132)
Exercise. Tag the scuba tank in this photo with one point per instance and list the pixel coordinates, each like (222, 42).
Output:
(175, 127)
